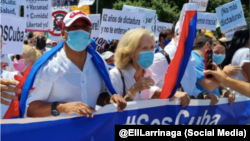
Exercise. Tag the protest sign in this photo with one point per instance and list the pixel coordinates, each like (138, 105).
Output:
(149, 15)
(57, 15)
(206, 20)
(12, 30)
(38, 15)
(148, 112)
(159, 26)
(230, 33)
(100, 43)
(9, 7)
(85, 2)
(95, 20)
(115, 23)
(201, 4)
(230, 14)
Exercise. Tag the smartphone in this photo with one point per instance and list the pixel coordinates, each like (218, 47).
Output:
(208, 62)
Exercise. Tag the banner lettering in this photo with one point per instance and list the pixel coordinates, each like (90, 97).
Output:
(230, 14)
(115, 23)
(206, 20)
(38, 15)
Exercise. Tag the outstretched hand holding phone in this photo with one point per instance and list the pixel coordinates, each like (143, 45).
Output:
(222, 79)
(208, 62)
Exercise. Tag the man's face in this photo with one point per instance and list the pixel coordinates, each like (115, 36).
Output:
(110, 60)
(169, 37)
(79, 24)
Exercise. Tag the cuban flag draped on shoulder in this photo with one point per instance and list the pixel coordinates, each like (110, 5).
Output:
(186, 39)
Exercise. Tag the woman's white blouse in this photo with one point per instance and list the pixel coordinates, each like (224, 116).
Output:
(129, 80)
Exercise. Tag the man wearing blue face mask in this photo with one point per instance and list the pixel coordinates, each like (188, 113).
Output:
(165, 38)
(72, 78)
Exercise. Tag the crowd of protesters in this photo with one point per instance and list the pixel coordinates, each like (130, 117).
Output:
(75, 77)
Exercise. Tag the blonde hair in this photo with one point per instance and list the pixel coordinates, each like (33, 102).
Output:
(31, 52)
(127, 45)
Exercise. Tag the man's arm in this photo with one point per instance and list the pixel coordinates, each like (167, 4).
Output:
(239, 86)
(43, 109)
(208, 85)
(223, 80)
(245, 71)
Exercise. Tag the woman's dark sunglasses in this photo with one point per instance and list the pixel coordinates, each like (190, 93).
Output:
(15, 56)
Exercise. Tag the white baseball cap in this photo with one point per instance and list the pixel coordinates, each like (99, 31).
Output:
(106, 55)
(73, 16)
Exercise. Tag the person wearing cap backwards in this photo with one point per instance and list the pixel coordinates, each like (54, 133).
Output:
(108, 56)
(71, 81)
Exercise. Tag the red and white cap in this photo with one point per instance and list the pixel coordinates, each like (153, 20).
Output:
(73, 16)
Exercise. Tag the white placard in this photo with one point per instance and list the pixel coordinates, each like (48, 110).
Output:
(38, 15)
(230, 33)
(201, 4)
(95, 20)
(115, 23)
(148, 18)
(12, 30)
(9, 7)
(159, 26)
(57, 15)
(85, 2)
(206, 20)
(230, 14)
(22, 2)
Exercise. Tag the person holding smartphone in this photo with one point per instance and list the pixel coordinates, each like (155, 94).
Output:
(202, 52)
(223, 80)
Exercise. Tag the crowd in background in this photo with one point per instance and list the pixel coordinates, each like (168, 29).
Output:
(136, 66)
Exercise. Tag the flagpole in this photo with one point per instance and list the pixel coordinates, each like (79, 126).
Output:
(96, 6)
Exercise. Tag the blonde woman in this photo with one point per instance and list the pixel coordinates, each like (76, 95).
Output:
(26, 60)
(131, 77)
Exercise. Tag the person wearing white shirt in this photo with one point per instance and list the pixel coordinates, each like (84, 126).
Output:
(160, 67)
(238, 54)
(69, 83)
(131, 76)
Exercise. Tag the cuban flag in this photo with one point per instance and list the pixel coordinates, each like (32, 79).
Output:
(179, 63)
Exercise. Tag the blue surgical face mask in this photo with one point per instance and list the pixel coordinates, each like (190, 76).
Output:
(78, 40)
(112, 65)
(166, 42)
(48, 46)
(146, 59)
(218, 58)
